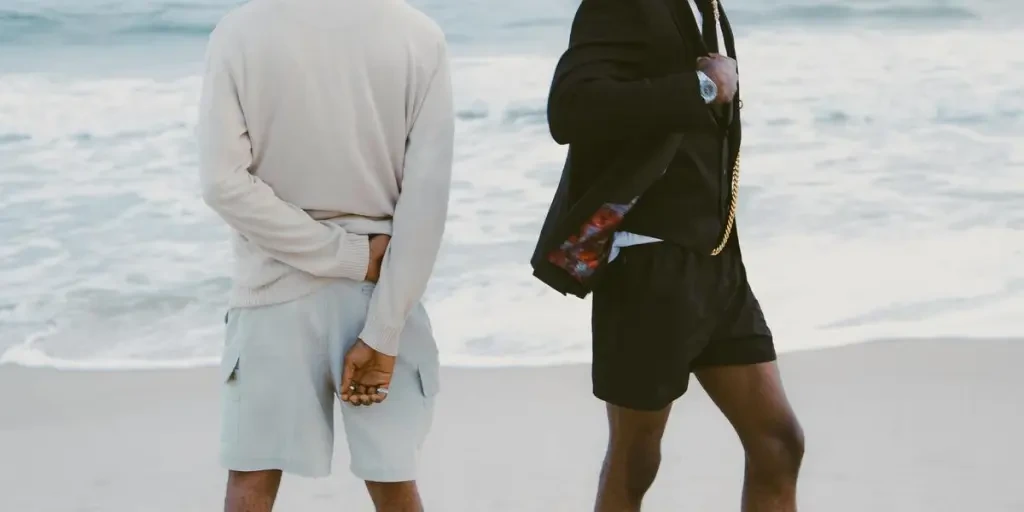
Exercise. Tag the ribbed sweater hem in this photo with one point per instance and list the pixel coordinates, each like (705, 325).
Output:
(291, 286)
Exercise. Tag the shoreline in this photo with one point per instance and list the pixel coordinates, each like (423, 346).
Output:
(913, 425)
(40, 361)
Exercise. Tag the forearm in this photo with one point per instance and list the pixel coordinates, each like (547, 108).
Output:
(283, 231)
(607, 109)
(408, 264)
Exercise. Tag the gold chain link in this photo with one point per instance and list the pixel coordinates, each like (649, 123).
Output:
(730, 222)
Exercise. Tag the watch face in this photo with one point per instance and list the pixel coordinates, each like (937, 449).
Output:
(708, 90)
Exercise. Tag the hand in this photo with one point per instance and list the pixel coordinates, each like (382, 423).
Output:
(378, 246)
(721, 70)
(366, 375)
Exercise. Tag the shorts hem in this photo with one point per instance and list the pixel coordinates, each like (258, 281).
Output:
(756, 350)
(633, 404)
(274, 464)
(383, 475)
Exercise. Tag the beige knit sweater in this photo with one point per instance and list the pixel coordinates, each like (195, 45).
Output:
(323, 121)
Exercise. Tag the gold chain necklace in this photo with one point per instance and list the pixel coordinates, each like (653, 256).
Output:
(730, 222)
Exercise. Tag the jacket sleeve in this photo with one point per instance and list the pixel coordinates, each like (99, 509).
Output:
(599, 91)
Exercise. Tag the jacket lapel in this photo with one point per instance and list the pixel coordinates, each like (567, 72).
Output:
(686, 24)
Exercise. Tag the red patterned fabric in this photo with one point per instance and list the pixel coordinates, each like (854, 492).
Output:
(585, 251)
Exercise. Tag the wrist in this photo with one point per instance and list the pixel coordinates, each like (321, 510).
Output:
(354, 255)
(379, 336)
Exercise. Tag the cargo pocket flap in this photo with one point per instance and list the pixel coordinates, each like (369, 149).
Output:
(430, 380)
(229, 361)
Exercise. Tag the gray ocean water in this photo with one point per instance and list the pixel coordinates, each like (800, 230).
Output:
(883, 190)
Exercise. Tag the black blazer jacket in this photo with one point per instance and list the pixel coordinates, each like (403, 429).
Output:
(621, 148)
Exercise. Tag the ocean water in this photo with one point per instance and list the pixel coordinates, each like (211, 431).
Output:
(883, 191)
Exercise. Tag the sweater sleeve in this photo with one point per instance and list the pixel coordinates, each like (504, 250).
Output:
(420, 214)
(246, 203)
(600, 91)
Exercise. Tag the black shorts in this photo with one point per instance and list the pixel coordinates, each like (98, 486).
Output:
(661, 312)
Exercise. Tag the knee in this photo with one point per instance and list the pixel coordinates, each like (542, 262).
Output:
(638, 463)
(251, 490)
(644, 465)
(395, 496)
(777, 452)
(254, 482)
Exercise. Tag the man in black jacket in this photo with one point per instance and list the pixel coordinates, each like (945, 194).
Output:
(672, 297)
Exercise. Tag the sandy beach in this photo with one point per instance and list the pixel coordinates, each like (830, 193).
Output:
(900, 426)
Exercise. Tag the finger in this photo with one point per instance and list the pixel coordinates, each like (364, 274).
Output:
(346, 380)
(374, 394)
(379, 395)
(353, 399)
(358, 389)
(365, 400)
(376, 378)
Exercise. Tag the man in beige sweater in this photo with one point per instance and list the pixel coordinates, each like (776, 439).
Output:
(325, 134)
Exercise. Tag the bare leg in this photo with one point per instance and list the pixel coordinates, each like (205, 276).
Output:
(633, 457)
(753, 400)
(252, 491)
(395, 497)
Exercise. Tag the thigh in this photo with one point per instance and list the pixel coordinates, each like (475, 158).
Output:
(752, 398)
(651, 317)
(277, 394)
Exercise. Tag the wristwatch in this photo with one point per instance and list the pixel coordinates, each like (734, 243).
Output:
(708, 88)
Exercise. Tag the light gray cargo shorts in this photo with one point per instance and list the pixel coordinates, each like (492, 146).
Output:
(281, 370)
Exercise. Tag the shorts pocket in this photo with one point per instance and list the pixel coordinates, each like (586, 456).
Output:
(230, 364)
(430, 379)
